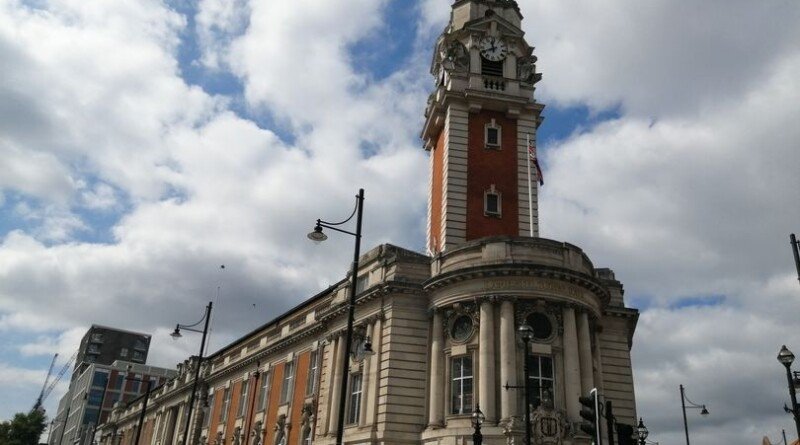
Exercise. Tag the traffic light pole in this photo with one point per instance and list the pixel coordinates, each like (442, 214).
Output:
(610, 422)
(591, 413)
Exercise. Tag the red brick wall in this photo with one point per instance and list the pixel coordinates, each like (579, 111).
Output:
(236, 389)
(487, 167)
(299, 395)
(274, 401)
(215, 414)
(437, 175)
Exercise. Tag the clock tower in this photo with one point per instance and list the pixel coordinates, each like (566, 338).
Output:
(479, 123)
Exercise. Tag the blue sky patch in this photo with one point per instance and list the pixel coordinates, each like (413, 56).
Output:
(386, 50)
(561, 123)
(698, 301)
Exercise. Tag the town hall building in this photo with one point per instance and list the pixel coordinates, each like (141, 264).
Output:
(436, 334)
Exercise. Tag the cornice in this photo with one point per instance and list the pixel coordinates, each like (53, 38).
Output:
(521, 269)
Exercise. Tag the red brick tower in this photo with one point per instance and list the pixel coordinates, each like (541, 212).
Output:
(478, 122)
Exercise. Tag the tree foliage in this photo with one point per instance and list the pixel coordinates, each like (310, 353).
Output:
(23, 429)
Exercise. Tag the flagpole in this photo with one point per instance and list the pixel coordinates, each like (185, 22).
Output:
(530, 187)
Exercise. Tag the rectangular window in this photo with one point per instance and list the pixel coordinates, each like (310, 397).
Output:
(208, 410)
(99, 379)
(355, 398)
(493, 136)
(94, 398)
(288, 382)
(492, 203)
(138, 356)
(541, 377)
(136, 384)
(226, 404)
(461, 385)
(123, 352)
(263, 391)
(97, 337)
(491, 67)
(312, 374)
(120, 379)
(242, 399)
(361, 283)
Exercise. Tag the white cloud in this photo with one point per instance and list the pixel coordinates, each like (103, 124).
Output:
(690, 192)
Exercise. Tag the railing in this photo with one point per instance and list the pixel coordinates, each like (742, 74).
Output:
(494, 83)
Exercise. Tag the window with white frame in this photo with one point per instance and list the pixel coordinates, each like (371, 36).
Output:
(226, 404)
(461, 385)
(311, 384)
(263, 391)
(540, 368)
(492, 135)
(242, 399)
(354, 410)
(208, 410)
(288, 382)
(306, 439)
(492, 202)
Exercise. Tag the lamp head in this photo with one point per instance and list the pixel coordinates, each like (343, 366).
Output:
(368, 346)
(316, 235)
(704, 411)
(176, 334)
(785, 356)
(641, 430)
(525, 331)
(478, 417)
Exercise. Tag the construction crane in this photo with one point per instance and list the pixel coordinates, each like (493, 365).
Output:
(39, 399)
(48, 388)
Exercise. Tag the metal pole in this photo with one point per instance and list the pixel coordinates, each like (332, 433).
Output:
(249, 419)
(784, 437)
(610, 422)
(530, 188)
(99, 412)
(196, 375)
(527, 388)
(796, 252)
(144, 411)
(350, 316)
(793, 395)
(685, 424)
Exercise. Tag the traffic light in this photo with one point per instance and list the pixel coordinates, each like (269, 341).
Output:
(590, 412)
(625, 434)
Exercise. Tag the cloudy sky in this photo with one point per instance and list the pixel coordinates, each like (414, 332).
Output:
(144, 144)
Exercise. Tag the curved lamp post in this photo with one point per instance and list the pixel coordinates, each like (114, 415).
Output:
(786, 358)
(477, 421)
(318, 236)
(684, 401)
(642, 432)
(176, 335)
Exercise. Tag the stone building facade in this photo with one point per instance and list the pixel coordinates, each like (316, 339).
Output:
(443, 326)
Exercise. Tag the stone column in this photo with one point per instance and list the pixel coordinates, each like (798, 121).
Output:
(336, 372)
(436, 389)
(572, 371)
(374, 361)
(508, 361)
(585, 350)
(486, 385)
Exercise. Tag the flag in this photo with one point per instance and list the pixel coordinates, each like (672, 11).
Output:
(532, 154)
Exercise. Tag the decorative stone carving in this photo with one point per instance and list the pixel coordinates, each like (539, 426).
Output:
(219, 440)
(281, 427)
(256, 433)
(456, 57)
(512, 427)
(462, 321)
(550, 425)
(236, 439)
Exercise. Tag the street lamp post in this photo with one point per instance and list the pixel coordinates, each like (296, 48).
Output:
(477, 421)
(642, 432)
(796, 252)
(786, 358)
(176, 335)
(317, 236)
(684, 400)
(526, 334)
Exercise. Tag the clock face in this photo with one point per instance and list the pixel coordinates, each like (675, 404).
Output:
(492, 48)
